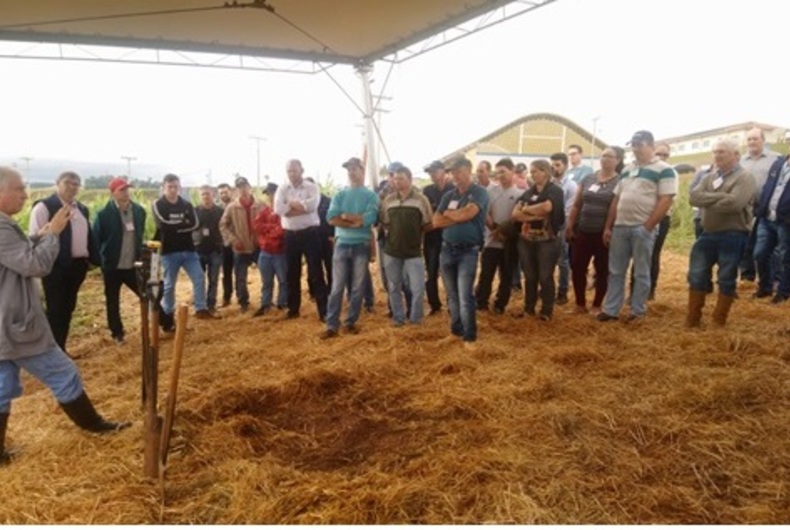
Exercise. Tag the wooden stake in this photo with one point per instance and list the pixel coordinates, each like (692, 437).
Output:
(182, 316)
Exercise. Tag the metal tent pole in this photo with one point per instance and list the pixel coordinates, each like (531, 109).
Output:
(372, 166)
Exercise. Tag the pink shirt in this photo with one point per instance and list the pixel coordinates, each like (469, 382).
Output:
(79, 228)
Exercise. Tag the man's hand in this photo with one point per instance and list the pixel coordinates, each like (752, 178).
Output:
(58, 223)
(296, 208)
(607, 236)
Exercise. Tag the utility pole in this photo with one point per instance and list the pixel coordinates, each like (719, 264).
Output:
(27, 160)
(258, 140)
(129, 160)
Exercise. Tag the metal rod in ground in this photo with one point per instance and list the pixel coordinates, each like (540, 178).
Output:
(182, 315)
(152, 423)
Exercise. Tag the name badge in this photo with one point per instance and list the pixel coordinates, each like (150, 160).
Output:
(205, 232)
(130, 226)
(717, 183)
(634, 172)
(594, 188)
(453, 205)
(533, 198)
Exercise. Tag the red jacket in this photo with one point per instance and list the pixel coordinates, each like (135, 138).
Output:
(269, 231)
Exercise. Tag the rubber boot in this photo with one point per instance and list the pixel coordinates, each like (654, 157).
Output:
(4, 457)
(722, 309)
(696, 303)
(82, 413)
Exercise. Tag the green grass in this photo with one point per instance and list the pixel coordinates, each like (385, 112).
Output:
(681, 231)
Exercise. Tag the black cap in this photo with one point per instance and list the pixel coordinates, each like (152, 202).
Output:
(436, 165)
(353, 162)
(271, 188)
(521, 166)
(642, 137)
(460, 162)
(241, 181)
(394, 167)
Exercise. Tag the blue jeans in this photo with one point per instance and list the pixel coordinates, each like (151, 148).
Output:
(348, 261)
(53, 368)
(211, 264)
(368, 297)
(412, 272)
(271, 265)
(629, 242)
(459, 269)
(172, 263)
(722, 248)
(772, 235)
(564, 264)
(241, 264)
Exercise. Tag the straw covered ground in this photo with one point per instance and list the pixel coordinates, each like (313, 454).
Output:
(572, 421)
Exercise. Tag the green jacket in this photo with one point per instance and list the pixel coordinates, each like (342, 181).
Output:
(108, 233)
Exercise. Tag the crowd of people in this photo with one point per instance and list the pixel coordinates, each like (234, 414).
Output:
(550, 219)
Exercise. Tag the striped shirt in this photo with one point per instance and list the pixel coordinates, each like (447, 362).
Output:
(639, 188)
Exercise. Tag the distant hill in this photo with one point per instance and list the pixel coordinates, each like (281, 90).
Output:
(46, 170)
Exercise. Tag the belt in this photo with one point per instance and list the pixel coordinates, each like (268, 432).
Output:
(460, 246)
(302, 230)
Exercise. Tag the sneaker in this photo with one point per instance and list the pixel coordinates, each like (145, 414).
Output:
(205, 314)
(328, 334)
(603, 317)
(351, 329)
(167, 322)
(545, 318)
(778, 298)
(635, 318)
(118, 339)
(562, 299)
(260, 312)
(762, 294)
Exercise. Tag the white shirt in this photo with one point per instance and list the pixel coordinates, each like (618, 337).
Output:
(306, 193)
(39, 216)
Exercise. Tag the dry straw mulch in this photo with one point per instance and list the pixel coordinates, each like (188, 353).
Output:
(572, 421)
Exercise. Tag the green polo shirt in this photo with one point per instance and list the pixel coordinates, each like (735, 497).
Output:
(404, 219)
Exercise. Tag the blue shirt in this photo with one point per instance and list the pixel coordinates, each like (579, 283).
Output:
(469, 232)
(578, 173)
(357, 201)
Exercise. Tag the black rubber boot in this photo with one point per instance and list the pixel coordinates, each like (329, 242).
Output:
(82, 413)
(5, 458)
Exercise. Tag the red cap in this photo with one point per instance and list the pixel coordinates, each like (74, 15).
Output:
(119, 183)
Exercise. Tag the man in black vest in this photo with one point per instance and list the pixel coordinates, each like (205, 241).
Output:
(77, 251)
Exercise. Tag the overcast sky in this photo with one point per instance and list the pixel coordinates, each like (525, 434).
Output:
(670, 66)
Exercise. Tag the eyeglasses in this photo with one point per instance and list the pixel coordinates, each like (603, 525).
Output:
(662, 155)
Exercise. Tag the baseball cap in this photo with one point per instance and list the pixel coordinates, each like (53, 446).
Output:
(642, 137)
(271, 188)
(521, 167)
(241, 181)
(119, 183)
(436, 165)
(353, 162)
(394, 167)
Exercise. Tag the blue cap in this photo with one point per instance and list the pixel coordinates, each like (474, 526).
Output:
(395, 167)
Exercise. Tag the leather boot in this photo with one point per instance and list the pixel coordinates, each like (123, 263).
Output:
(722, 309)
(82, 413)
(4, 457)
(696, 303)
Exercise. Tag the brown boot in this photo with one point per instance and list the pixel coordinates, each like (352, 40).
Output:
(696, 303)
(722, 309)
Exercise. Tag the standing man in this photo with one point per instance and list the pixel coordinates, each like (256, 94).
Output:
(271, 257)
(77, 251)
(724, 197)
(662, 153)
(773, 232)
(26, 340)
(208, 242)
(118, 230)
(461, 214)
(405, 215)
(757, 161)
(237, 229)
(353, 212)
(296, 202)
(432, 246)
(327, 236)
(500, 253)
(483, 173)
(643, 196)
(559, 166)
(577, 170)
(175, 221)
(225, 198)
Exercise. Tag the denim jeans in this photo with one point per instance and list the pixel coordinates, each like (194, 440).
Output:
(772, 235)
(53, 368)
(271, 266)
(241, 264)
(564, 264)
(171, 264)
(629, 242)
(368, 296)
(538, 259)
(459, 269)
(211, 264)
(724, 249)
(412, 272)
(347, 261)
